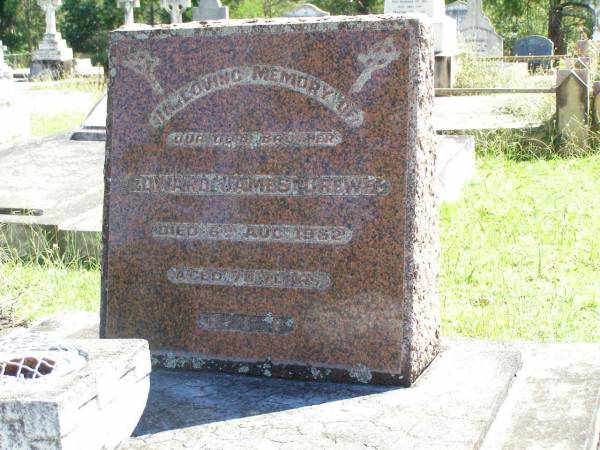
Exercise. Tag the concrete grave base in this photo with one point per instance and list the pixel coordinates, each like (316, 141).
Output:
(475, 395)
(96, 407)
(52, 68)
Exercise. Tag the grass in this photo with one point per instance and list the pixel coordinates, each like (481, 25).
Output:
(520, 251)
(480, 73)
(94, 85)
(520, 254)
(47, 290)
(37, 279)
(45, 125)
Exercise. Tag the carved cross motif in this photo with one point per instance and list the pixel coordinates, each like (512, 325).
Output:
(50, 7)
(128, 6)
(376, 58)
(144, 64)
(176, 8)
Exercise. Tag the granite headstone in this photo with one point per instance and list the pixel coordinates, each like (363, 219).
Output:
(270, 210)
(535, 46)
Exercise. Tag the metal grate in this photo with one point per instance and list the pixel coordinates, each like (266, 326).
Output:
(33, 356)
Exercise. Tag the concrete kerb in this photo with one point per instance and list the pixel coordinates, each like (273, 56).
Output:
(34, 240)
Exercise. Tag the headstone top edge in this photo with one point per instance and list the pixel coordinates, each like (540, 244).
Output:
(280, 24)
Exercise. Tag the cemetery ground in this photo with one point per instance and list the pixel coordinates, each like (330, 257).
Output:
(63, 105)
(520, 254)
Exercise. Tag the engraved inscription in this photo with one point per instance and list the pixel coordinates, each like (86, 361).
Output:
(255, 139)
(246, 323)
(273, 185)
(285, 279)
(293, 234)
(262, 75)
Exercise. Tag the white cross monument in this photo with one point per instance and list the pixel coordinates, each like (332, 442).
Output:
(53, 53)
(128, 6)
(176, 8)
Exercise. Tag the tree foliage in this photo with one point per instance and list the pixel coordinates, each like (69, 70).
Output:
(22, 24)
(563, 21)
(86, 24)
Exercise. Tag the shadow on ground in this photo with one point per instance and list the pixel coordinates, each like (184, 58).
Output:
(180, 399)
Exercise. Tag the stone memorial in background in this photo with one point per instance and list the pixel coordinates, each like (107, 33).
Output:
(306, 10)
(53, 56)
(271, 211)
(14, 118)
(176, 8)
(444, 27)
(535, 46)
(5, 70)
(458, 11)
(210, 10)
(128, 6)
(476, 33)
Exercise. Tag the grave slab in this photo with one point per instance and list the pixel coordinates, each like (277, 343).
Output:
(275, 207)
(450, 406)
(554, 402)
(52, 186)
(93, 127)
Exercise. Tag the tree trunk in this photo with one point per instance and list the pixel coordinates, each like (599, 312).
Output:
(28, 27)
(555, 28)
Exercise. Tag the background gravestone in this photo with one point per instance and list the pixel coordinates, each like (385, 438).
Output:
(458, 11)
(535, 46)
(53, 56)
(477, 33)
(306, 10)
(210, 10)
(444, 27)
(271, 212)
(5, 70)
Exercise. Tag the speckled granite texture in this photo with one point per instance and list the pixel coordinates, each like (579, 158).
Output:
(269, 200)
